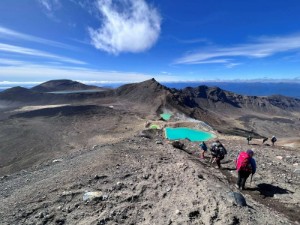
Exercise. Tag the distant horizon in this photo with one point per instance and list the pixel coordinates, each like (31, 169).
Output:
(134, 40)
(257, 88)
(89, 82)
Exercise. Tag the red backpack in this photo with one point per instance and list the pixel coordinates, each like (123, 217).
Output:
(243, 162)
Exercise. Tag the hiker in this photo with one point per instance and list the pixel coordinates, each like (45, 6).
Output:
(264, 140)
(245, 165)
(218, 153)
(273, 140)
(249, 138)
(203, 148)
(213, 149)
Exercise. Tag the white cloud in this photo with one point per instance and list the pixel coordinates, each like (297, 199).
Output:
(33, 52)
(14, 83)
(259, 48)
(32, 74)
(41, 73)
(127, 26)
(45, 72)
(11, 34)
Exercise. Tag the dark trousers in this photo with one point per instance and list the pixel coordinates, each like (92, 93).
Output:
(218, 160)
(242, 178)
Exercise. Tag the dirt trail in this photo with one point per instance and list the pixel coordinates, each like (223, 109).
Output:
(275, 184)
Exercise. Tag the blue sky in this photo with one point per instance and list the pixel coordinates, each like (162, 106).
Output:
(134, 40)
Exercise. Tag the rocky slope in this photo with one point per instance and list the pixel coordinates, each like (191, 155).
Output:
(136, 181)
(227, 102)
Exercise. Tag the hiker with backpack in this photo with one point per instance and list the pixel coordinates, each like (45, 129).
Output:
(218, 153)
(265, 139)
(213, 150)
(245, 165)
(249, 138)
(273, 140)
(203, 148)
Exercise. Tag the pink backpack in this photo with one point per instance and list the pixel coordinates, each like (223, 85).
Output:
(243, 162)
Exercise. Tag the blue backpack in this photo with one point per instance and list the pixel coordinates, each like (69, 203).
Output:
(203, 146)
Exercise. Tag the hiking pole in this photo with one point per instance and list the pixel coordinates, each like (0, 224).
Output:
(251, 180)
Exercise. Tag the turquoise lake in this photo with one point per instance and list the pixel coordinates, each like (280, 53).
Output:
(166, 116)
(192, 134)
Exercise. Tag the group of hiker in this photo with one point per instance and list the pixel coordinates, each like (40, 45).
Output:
(218, 152)
(245, 163)
(273, 140)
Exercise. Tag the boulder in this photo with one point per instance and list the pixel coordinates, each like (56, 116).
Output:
(145, 134)
(93, 195)
(178, 144)
(237, 198)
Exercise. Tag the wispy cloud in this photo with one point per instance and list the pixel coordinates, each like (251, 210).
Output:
(33, 71)
(14, 83)
(50, 6)
(32, 74)
(211, 61)
(37, 53)
(12, 34)
(11, 62)
(127, 26)
(231, 65)
(259, 48)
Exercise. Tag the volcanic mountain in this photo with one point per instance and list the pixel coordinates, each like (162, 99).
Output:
(214, 97)
(63, 85)
(41, 94)
(20, 94)
(225, 111)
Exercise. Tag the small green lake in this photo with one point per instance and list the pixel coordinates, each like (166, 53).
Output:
(191, 134)
(166, 116)
(154, 126)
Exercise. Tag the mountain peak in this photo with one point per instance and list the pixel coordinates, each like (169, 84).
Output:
(16, 90)
(62, 85)
(152, 80)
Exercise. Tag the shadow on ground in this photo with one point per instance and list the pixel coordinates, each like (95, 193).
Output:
(229, 169)
(269, 190)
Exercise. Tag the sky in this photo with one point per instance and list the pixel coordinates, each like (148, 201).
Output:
(134, 40)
